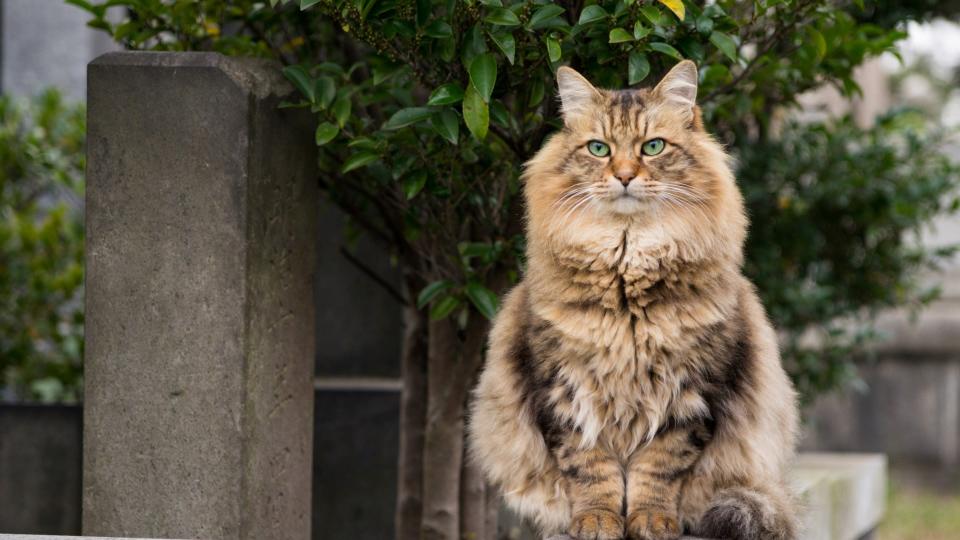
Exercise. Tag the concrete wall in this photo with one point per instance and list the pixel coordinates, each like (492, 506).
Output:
(46, 43)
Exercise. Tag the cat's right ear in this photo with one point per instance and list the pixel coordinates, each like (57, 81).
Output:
(577, 95)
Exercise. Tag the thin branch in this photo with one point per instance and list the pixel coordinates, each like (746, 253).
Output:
(370, 273)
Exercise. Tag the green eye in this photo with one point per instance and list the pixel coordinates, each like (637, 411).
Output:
(599, 149)
(653, 147)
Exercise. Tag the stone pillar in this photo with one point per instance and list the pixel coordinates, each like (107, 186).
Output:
(201, 208)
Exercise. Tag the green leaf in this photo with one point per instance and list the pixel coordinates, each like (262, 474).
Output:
(537, 91)
(619, 35)
(475, 113)
(483, 75)
(655, 16)
(413, 183)
(326, 90)
(341, 109)
(503, 17)
(676, 6)
(507, 45)
(406, 117)
(638, 67)
(431, 291)
(358, 160)
(438, 29)
(326, 132)
(543, 15)
(591, 14)
(446, 95)
(726, 44)
(553, 49)
(444, 307)
(818, 41)
(302, 80)
(304, 4)
(494, 3)
(666, 49)
(483, 299)
(704, 25)
(640, 31)
(447, 124)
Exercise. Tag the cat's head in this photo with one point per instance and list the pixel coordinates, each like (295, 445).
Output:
(637, 156)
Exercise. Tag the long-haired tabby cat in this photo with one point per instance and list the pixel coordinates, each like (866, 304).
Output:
(633, 386)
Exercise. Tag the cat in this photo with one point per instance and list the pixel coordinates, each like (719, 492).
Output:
(633, 386)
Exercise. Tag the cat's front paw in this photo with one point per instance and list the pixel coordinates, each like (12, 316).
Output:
(652, 524)
(597, 524)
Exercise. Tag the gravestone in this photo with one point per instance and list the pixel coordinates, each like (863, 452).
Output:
(201, 208)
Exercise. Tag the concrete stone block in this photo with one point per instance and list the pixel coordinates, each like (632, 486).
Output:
(43, 537)
(849, 488)
(201, 213)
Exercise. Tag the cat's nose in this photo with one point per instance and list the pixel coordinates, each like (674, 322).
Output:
(625, 175)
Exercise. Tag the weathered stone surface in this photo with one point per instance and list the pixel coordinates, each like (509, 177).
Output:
(201, 208)
(844, 495)
(41, 537)
(40, 469)
(46, 43)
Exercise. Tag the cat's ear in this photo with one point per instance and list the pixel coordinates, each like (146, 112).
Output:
(577, 95)
(679, 86)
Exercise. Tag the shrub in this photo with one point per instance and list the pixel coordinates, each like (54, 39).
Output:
(41, 248)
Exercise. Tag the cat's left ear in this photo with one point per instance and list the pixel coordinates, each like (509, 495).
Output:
(577, 95)
(679, 86)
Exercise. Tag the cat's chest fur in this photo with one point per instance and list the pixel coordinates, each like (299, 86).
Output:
(625, 331)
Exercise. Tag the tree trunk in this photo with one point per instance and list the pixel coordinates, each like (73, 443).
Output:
(473, 502)
(443, 443)
(413, 403)
(492, 509)
(452, 365)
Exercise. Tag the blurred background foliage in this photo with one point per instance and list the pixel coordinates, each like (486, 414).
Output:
(427, 109)
(41, 247)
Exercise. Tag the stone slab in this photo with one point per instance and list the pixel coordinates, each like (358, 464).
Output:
(43, 537)
(201, 213)
(845, 494)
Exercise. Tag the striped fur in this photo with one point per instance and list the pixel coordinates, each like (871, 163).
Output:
(633, 387)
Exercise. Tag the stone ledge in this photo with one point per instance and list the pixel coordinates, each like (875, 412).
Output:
(45, 537)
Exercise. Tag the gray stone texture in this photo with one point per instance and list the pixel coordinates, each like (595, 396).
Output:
(46, 43)
(201, 208)
(40, 469)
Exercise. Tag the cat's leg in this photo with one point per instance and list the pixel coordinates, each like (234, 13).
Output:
(595, 486)
(655, 476)
(762, 512)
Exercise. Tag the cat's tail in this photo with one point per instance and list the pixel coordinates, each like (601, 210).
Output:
(754, 513)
